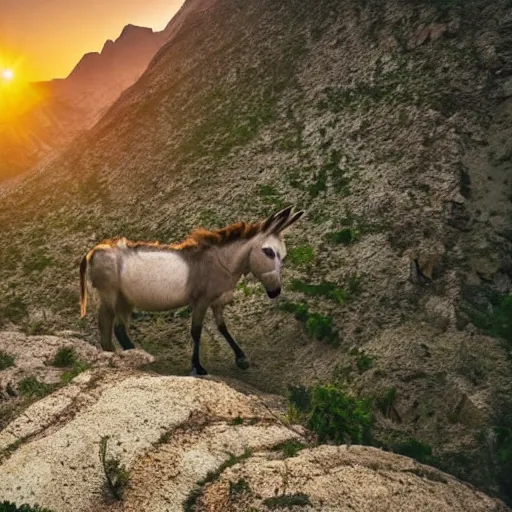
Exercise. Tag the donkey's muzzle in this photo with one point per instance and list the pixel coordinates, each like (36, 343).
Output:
(274, 293)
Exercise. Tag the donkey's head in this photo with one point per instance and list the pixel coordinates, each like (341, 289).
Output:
(269, 250)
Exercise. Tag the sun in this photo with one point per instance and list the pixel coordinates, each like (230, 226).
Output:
(7, 74)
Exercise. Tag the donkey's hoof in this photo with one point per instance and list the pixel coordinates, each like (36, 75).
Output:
(242, 363)
(195, 372)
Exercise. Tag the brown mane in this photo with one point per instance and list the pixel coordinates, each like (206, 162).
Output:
(205, 238)
(199, 238)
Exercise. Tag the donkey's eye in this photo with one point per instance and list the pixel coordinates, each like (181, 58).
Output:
(269, 252)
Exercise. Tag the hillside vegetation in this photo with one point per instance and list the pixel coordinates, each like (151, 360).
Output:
(389, 122)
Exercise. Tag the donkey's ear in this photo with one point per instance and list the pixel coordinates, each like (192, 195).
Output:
(290, 221)
(275, 222)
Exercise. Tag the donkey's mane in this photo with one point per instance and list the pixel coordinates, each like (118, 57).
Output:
(233, 232)
(200, 238)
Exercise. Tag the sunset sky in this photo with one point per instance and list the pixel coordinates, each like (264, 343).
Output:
(44, 39)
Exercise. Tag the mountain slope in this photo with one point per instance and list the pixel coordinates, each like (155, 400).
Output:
(385, 121)
(57, 110)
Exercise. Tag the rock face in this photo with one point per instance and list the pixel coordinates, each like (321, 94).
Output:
(389, 123)
(332, 478)
(172, 433)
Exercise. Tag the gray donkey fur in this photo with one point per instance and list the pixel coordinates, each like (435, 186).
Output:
(200, 272)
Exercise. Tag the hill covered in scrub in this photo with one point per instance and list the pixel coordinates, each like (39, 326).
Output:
(389, 123)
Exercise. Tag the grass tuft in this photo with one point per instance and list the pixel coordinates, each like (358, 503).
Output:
(65, 356)
(116, 475)
(6, 360)
(287, 501)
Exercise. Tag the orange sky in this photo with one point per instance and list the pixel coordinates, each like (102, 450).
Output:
(44, 39)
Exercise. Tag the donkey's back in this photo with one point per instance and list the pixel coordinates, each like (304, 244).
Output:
(150, 278)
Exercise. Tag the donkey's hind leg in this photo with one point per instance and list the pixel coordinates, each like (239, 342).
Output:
(240, 358)
(123, 312)
(106, 322)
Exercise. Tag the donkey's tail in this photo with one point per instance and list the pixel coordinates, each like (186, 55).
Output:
(83, 286)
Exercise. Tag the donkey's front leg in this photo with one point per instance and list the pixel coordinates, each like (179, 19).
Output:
(240, 358)
(197, 327)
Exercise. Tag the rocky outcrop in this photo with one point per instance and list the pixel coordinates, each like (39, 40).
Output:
(185, 443)
(332, 478)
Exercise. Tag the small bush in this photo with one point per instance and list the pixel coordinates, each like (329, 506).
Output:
(289, 448)
(66, 356)
(345, 236)
(301, 255)
(6, 360)
(320, 327)
(334, 415)
(317, 326)
(239, 487)
(364, 361)
(326, 289)
(287, 501)
(117, 477)
(31, 388)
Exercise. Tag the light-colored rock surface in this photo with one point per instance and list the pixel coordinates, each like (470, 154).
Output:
(173, 434)
(343, 479)
(33, 356)
(59, 466)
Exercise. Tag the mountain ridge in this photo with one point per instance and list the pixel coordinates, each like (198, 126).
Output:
(67, 106)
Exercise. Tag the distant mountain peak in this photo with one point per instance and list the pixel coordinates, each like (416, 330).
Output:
(129, 29)
(108, 44)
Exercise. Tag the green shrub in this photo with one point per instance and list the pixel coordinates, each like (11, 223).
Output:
(320, 184)
(237, 421)
(326, 289)
(333, 414)
(301, 255)
(289, 448)
(37, 261)
(270, 195)
(6, 360)
(317, 326)
(320, 327)
(240, 487)
(364, 361)
(345, 236)
(31, 388)
(65, 356)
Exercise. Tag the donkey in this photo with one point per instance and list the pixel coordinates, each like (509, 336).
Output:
(200, 272)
